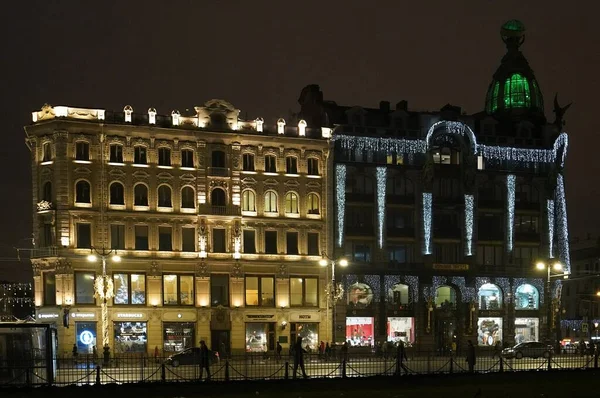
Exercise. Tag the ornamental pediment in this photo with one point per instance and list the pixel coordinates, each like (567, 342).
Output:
(116, 173)
(83, 170)
(314, 185)
(292, 183)
(142, 175)
(164, 176)
(187, 177)
(248, 181)
(270, 181)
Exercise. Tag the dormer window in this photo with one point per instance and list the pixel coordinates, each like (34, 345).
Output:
(128, 111)
(302, 128)
(152, 116)
(280, 126)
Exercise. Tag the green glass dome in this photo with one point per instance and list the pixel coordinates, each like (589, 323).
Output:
(514, 87)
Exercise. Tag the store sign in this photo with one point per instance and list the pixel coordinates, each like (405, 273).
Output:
(47, 316)
(450, 267)
(305, 317)
(83, 315)
(260, 317)
(131, 315)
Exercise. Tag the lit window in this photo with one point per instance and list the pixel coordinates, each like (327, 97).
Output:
(178, 289)
(270, 202)
(517, 93)
(313, 204)
(291, 203)
(260, 291)
(248, 201)
(129, 289)
(303, 292)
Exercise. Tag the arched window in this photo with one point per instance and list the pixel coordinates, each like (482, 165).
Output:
(313, 206)
(445, 297)
(47, 192)
(218, 120)
(117, 194)
(291, 203)
(188, 200)
(82, 192)
(446, 155)
(527, 297)
(217, 197)
(398, 295)
(164, 196)
(490, 297)
(517, 93)
(248, 200)
(270, 202)
(140, 195)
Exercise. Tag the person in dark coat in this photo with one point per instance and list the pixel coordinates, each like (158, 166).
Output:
(299, 357)
(471, 356)
(204, 360)
(401, 357)
(278, 351)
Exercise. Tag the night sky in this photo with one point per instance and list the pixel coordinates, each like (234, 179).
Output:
(258, 55)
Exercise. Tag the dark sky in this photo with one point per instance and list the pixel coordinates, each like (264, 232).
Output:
(259, 54)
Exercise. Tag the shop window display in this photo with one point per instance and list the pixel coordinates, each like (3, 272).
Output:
(360, 295)
(309, 333)
(490, 297)
(489, 331)
(526, 298)
(178, 336)
(398, 295)
(401, 329)
(85, 333)
(445, 297)
(526, 329)
(131, 337)
(260, 337)
(130, 289)
(359, 331)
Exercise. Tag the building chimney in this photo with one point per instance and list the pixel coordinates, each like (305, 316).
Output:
(384, 106)
(402, 105)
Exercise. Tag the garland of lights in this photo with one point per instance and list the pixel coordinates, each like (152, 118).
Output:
(384, 145)
(411, 281)
(538, 283)
(381, 185)
(469, 200)
(576, 323)
(340, 195)
(550, 209)
(468, 294)
(561, 142)
(563, 231)
(510, 211)
(374, 283)
(427, 222)
(556, 291)
(454, 128)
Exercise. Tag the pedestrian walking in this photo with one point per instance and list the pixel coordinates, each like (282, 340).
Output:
(327, 351)
(299, 357)
(322, 350)
(156, 360)
(345, 351)
(75, 353)
(204, 360)
(94, 354)
(278, 352)
(400, 358)
(471, 356)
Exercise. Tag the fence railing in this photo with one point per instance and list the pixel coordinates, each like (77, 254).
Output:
(87, 370)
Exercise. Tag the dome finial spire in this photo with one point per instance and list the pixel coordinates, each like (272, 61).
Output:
(513, 34)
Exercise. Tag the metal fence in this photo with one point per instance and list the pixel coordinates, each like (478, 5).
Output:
(86, 370)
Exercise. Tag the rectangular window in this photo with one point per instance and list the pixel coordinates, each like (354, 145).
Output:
(178, 289)
(291, 165)
(47, 152)
(82, 150)
(164, 157)
(187, 158)
(84, 288)
(313, 166)
(489, 255)
(129, 289)
(165, 239)
(141, 237)
(139, 155)
(47, 235)
(84, 236)
(447, 253)
(219, 290)
(260, 291)
(188, 239)
(292, 242)
(361, 252)
(117, 236)
(219, 240)
(249, 241)
(49, 289)
(313, 244)
(116, 153)
(270, 242)
(398, 254)
(270, 164)
(303, 292)
(248, 162)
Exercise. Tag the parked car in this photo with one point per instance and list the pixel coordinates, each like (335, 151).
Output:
(191, 356)
(531, 349)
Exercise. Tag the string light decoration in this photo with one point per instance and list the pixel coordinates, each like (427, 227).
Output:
(469, 204)
(468, 294)
(498, 154)
(562, 142)
(563, 228)
(535, 282)
(557, 289)
(381, 174)
(340, 195)
(550, 210)
(383, 145)
(427, 198)
(576, 323)
(413, 282)
(510, 210)
(374, 283)
(504, 285)
(454, 128)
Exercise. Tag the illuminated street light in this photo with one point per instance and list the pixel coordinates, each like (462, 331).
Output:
(334, 291)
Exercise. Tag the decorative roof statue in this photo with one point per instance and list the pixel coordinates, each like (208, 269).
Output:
(560, 113)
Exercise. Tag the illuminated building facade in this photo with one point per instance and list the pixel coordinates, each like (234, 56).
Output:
(443, 215)
(218, 223)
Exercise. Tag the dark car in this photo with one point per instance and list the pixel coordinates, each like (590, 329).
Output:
(191, 356)
(531, 349)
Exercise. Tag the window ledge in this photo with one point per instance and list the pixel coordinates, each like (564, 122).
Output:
(270, 173)
(313, 216)
(313, 176)
(141, 208)
(292, 215)
(165, 209)
(116, 164)
(188, 210)
(88, 205)
(271, 214)
(116, 207)
(140, 165)
(187, 168)
(82, 161)
(47, 162)
(249, 213)
(249, 172)
(164, 167)
(292, 175)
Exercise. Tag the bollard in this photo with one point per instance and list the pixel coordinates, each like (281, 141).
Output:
(501, 364)
(162, 373)
(226, 370)
(97, 375)
(287, 371)
(344, 369)
(451, 365)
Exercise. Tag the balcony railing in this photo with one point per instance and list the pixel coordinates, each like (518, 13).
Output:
(219, 171)
(228, 210)
(50, 251)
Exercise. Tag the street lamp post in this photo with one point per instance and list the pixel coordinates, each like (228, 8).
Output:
(557, 267)
(104, 288)
(334, 291)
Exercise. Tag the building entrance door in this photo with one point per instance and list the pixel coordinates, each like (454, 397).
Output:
(445, 335)
(220, 342)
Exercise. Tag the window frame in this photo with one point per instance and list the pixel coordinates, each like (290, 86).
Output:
(135, 244)
(178, 279)
(193, 229)
(228, 295)
(129, 290)
(311, 164)
(140, 152)
(158, 196)
(47, 195)
(164, 156)
(276, 241)
(260, 285)
(310, 203)
(118, 153)
(159, 240)
(185, 161)
(274, 163)
(135, 196)
(248, 197)
(75, 285)
(248, 162)
(244, 240)
(271, 201)
(291, 165)
(83, 155)
(193, 199)
(122, 194)
(318, 236)
(212, 246)
(304, 278)
(52, 295)
(78, 234)
(112, 246)
(89, 192)
(288, 236)
(47, 155)
(289, 196)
